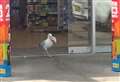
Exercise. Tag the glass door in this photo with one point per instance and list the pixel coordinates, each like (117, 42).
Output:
(81, 28)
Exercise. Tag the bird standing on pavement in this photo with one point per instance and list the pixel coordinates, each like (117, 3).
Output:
(48, 43)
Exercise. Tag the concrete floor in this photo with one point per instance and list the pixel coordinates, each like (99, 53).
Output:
(95, 68)
(30, 66)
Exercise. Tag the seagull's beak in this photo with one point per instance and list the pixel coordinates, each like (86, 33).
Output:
(54, 39)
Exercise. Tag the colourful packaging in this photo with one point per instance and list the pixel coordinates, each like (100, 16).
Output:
(5, 51)
(5, 68)
(116, 35)
(4, 37)
(1, 54)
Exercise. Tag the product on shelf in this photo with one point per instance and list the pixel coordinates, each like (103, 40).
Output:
(40, 13)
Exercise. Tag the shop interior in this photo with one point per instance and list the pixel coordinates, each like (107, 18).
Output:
(31, 21)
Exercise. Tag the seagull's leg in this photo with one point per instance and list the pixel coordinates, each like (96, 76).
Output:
(47, 52)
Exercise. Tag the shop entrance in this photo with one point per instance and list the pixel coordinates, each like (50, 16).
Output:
(72, 22)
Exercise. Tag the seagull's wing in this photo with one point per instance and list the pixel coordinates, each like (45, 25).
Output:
(45, 46)
(42, 43)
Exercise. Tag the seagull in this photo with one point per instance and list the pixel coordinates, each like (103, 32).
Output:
(48, 43)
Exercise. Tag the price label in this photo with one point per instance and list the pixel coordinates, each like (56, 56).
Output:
(2, 71)
(115, 65)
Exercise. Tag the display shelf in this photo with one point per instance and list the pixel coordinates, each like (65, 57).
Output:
(42, 14)
(45, 14)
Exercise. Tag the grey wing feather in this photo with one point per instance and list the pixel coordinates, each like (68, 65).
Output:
(41, 44)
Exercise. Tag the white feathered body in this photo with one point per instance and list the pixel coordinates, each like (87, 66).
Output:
(47, 43)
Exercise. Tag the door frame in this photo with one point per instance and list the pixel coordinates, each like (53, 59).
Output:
(91, 33)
